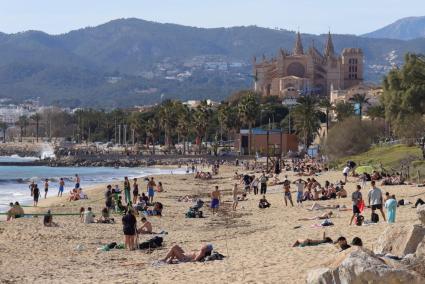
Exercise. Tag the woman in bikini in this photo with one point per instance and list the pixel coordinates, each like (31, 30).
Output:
(176, 252)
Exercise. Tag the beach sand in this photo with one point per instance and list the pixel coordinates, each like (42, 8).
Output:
(257, 242)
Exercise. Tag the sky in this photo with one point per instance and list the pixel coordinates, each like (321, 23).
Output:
(309, 16)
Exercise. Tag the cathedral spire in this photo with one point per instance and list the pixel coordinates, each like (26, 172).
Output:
(329, 49)
(298, 48)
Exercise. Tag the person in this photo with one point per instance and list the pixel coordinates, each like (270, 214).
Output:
(235, 197)
(146, 228)
(129, 224)
(254, 184)
(263, 183)
(310, 242)
(159, 188)
(105, 218)
(36, 194)
(263, 203)
(287, 192)
(109, 197)
(345, 173)
(391, 205)
(151, 192)
(46, 187)
(127, 196)
(342, 193)
(300, 184)
(31, 187)
(215, 199)
(324, 216)
(88, 216)
(77, 181)
(356, 198)
(120, 206)
(375, 199)
(82, 210)
(61, 187)
(48, 220)
(135, 190)
(418, 203)
(176, 252)
(342, 243)
(15, 211)
(357, 242)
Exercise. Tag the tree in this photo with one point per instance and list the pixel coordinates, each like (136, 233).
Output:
(36, 117)
(361, 100)
(152, 131)
(3, 127)
(343, 110)
(200, 121)
(22, 123)
(183, 125)
(307, 119)
(248, 109)
(375, 112)
(167, 118)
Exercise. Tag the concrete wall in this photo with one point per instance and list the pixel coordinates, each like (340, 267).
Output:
(259, 143)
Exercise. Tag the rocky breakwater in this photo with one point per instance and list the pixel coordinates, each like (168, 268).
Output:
(398, 257)
(21, 149)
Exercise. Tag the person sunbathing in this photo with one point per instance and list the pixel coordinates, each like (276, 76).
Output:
(326, 215)
(176, 252)
(310, 242)
(146, 228)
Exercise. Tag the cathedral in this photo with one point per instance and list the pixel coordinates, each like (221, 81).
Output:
(298, 73)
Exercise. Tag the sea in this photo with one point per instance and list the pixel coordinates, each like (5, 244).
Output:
(15, 180)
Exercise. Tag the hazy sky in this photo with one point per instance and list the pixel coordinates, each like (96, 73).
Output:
(310, 16)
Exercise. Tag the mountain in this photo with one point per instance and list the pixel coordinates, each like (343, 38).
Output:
(129, 62)
(403, 29)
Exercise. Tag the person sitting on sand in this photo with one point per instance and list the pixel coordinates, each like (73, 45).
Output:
(357, 242)
(324, 216)
(263, 203)
(141, 205)
(120, 206)
(342, 243)
(146, 228)
(342, 193)
(73, 195)
(15, 211)
(310, 242)
(159, 187)
(88, 216)
(48, 220)
(105, 218)
(176, 252)
(82, 210)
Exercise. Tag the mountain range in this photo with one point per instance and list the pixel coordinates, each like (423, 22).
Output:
(129, 62)
(403, 29)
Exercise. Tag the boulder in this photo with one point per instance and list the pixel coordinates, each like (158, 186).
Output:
(359, 265)
(400, 240)
(421, 213)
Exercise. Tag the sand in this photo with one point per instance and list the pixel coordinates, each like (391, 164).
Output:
(257, 242)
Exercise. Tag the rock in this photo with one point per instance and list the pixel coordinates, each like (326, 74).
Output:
(421, 213)
(400, 240)
(359, 265)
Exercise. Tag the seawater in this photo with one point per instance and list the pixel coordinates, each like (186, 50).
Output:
(15, 180)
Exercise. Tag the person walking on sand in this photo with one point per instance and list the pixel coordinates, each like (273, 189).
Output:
(151, 189)
(375, 199)
(46, 187)
(129, 224)
(127, 196)
(300, 184)
(61, 187)
(36, 194)
(135, 191)
(357, 198)
(235, 196)
(31, 187)
(215, 199)
(287, 192)
(263, 183)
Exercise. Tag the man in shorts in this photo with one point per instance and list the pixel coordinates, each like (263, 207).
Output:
(375, 199)
(287, 192)
(345, 173)
(151, 190)
(263, 183)
(77, 181)
(300, 184)
(215, 199)
(356, 197)
(61, 187)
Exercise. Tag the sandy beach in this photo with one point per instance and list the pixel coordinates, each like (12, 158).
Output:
(257, 242)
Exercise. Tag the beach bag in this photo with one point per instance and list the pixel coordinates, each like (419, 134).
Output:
(359, 220)
(374, 218)
(190, 214)
(361, 206)
(152, 243)
(401, 202)
(214, 256)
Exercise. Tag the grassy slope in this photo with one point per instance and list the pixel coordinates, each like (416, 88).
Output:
(390, 158)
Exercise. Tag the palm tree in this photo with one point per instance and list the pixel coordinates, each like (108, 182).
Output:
(326, 104)
(248, 109)
(167, 118)
(183, 125)
(307, 119)
(200, 122)
(152, 129)
(361, 100)
(36, 117)
(343, 110)
(3, 127)
(22, 123)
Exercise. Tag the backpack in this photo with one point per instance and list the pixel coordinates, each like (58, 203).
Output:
(359, 220)
(152, 243)
(374, 218)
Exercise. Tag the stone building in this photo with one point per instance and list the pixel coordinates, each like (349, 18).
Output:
(299, 72)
